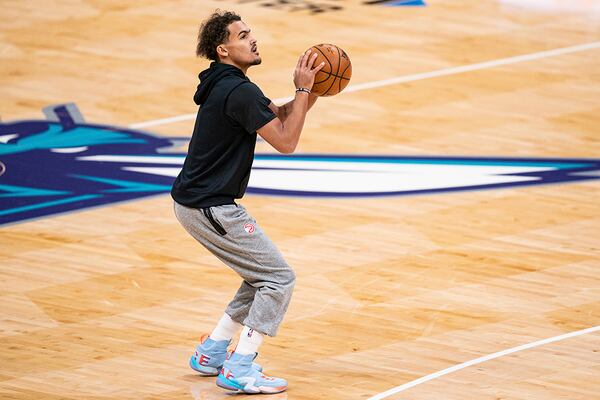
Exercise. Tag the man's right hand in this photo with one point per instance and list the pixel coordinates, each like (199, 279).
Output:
(304, 74)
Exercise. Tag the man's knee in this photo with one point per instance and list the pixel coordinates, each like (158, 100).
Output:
(282, 282)
(288, 277)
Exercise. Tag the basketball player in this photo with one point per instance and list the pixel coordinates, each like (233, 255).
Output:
(215, 173)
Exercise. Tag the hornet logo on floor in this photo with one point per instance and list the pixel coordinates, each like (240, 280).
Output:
(63, 164)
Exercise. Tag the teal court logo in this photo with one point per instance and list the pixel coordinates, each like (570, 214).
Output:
(62, 163)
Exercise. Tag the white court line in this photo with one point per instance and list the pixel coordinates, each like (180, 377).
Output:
(411, 78)
(479, 360)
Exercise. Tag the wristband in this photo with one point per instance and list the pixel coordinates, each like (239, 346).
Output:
(303, 89)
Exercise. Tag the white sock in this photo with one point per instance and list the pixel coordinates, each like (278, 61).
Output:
(225, 329)
(250, 341)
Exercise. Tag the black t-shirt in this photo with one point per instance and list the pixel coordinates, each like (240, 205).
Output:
(220, 155)
(248, 106)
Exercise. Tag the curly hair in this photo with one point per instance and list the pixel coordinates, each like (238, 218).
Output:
(214, 32)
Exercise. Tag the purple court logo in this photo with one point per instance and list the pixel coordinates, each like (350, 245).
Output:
(316, 7)
(62, 164)
(397, 3)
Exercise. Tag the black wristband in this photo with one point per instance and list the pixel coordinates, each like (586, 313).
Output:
(303, 89)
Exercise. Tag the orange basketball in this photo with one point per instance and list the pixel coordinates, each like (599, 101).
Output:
(335, 74)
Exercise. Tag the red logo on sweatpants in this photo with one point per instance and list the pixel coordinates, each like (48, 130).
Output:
(249, 228)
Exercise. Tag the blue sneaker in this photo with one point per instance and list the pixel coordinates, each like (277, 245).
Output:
(210, 356)
(238, 375)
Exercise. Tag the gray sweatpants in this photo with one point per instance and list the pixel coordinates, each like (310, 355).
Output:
(232, 235)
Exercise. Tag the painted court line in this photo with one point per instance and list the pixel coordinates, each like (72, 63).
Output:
(479, 360)
(411, 78)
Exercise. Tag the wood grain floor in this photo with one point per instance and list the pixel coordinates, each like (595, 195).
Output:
(109, 302)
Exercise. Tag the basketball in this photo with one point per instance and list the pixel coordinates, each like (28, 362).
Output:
(335, 74)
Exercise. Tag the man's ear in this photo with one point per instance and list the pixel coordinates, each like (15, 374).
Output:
(222, 51)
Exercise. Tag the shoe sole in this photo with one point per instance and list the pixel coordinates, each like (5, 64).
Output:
(233, 386)
(229, 385)
(209, 372)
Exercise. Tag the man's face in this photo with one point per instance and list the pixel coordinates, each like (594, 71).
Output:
(241, 46)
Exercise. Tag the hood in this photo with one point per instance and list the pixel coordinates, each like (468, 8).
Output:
(209, 78)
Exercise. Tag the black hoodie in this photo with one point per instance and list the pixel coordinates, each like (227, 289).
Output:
(217, 168)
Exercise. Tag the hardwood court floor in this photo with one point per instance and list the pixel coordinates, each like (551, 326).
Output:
(107, 303)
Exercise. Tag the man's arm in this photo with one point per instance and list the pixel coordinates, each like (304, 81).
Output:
(283, 132)
(283, 111)
(282, 136)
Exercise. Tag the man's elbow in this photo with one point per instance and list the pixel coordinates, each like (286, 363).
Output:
(287, 148)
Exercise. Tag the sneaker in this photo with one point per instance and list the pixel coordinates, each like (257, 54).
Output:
(238, 375)
(210, 356)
